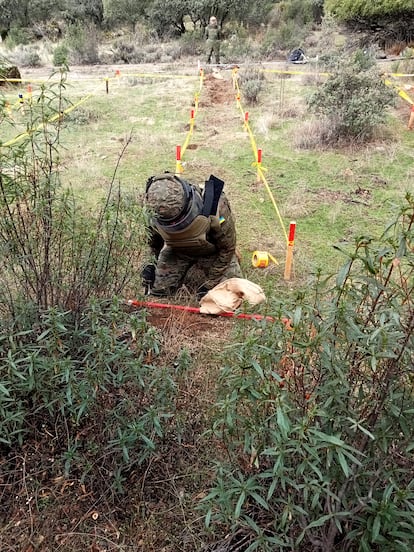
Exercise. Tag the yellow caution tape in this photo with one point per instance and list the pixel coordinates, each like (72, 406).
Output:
(260, 169)
(50, 120)
(402, 93)
(179, 166)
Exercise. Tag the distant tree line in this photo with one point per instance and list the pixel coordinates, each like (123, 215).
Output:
(166, 16)
(386, 21)
(391, 20)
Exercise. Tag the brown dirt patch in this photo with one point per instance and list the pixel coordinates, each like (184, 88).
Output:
(359, 195)
(216, 91)
(199, 334)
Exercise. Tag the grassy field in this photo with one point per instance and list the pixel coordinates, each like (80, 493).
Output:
(334, 195)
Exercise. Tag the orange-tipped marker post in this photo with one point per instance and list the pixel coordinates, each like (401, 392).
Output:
(289, 251)
(179, 169)
(259, 164)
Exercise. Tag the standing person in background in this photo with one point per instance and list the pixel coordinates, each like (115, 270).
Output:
(213, 37)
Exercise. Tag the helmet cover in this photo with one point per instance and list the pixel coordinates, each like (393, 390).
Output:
(166, 198)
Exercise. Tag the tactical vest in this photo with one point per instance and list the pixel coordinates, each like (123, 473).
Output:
(192, 240)
(213, 33)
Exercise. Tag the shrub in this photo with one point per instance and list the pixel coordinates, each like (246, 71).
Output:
(72, 360)
(353, 98)
(127, 52)
(251, 90)
(54, 251)
(238, 48)
(17, 36)
(285, 37)
(174, 51)
(77, 376)
(251, 82)
(82, 43)
(191, 43)
(60, 55)
(25, 56)
(406, 63)
(316, 419)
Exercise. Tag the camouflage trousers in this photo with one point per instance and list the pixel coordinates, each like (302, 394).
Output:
(173, 268)
(213, 46)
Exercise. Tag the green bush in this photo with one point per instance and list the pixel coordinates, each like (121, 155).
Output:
(285, 37)
(406, 62)
(60, 55)
(238, 48)
(191, 43)
(316, 421)
(79, 377)
(302, 12)
(73, 362)
(251, 82)
(82, 43)
(251, 90)
(54, 251)
(127, 52)
(17, 36)
(354, 98)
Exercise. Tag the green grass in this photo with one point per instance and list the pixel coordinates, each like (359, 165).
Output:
(317, 188)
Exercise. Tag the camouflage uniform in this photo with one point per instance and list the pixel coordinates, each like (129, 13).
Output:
(213, 35)
(212, 250)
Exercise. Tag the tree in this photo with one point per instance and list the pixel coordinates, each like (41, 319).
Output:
(75, 11)
(352, 9)
(124, 11)
(26, 13)
(167, 18)
(387, 21)
(8, 9)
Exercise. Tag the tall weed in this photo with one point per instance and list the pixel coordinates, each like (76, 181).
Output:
(66, 368)
(55, 251)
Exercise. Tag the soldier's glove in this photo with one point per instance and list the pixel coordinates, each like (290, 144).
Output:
(148, 277)
(202, 290)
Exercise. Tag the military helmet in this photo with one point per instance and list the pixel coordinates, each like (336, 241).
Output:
(174, 201)
(166, 197)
